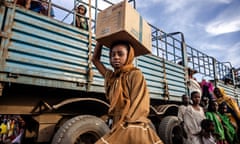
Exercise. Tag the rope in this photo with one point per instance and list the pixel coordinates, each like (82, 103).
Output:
(90, 72)
(166, 92)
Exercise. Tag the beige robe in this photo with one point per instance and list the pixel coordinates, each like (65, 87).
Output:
(192, 124)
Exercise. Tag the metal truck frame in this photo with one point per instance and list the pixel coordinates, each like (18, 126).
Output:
(46, 76)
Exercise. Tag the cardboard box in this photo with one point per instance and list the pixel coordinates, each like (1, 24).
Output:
(123, 22)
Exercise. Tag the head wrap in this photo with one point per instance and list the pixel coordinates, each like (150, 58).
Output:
(119, 103)
(231, 103)
(224, 96)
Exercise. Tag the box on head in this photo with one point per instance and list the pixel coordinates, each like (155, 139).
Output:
(123, 22)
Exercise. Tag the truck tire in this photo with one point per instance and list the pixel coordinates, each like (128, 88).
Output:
(170, 131)
(84, 129)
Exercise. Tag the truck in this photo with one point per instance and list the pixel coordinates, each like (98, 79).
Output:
(47, 77)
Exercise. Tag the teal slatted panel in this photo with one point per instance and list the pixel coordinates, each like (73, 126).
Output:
(46, 52)
(152, 68)
(98, 81)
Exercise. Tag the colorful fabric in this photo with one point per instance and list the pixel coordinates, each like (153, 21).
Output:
(3, 128)
(181, 111)
(217, 124)
(194, 86)
(82, 22)
(207, 89)
(232, 107)
(129, 106)
(229, 129)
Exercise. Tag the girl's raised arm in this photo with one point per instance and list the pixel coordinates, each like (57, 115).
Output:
(96, 59)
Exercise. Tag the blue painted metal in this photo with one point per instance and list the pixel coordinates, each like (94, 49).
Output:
(152, 68)
(38, 50)
(44, 52)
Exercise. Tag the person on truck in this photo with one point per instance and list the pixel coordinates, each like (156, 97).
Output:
(193, 84)
(126, 89)
(81, 20)
(24, 3)
(41, 6)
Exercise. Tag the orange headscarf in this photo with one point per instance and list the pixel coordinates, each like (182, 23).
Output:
(229, 101)
(129, 105)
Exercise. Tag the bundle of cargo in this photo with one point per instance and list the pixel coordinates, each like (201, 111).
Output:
(123, 22)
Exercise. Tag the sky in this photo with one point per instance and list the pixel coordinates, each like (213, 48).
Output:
(211, 26)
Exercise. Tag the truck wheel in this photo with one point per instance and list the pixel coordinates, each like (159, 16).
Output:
(170, 131)
(84, 129)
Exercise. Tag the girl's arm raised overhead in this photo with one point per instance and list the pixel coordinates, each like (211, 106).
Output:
(96, 59)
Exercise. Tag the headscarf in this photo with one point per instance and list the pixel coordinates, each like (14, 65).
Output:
(229, 101)
(119, 103)
(224, 96)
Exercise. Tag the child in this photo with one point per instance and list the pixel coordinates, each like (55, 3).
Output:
(181, 110)
(193, 116)
(207, 132)
(128, 95)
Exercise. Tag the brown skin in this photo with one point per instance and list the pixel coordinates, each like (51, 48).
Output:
(214, 106)
(185, 100)
(223, 109)
(118, 57)
(25, 3)
(81, 10)
(28, 4)
(96, 59)
(217, 92)
(195, 96)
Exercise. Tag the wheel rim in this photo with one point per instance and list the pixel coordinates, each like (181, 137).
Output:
(87, 138)
(176, 135)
